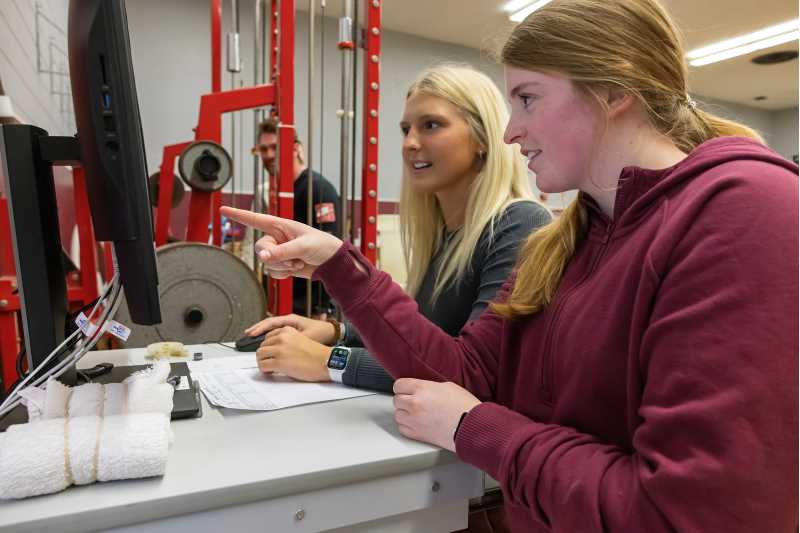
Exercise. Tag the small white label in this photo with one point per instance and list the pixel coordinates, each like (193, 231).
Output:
(84, 325)
(184, 383)
(120, 331)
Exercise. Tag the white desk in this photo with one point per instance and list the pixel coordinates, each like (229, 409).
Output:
(318, 467)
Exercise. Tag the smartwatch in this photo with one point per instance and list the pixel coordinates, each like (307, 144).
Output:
(337, 362)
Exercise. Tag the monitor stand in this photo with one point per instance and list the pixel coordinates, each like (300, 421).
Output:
(27, 157)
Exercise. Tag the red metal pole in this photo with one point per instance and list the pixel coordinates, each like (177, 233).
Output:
(216, 86)
(199, 208)
(83, 219)
(273, 42)
(7, 266)
(216, 205)
(285, 85)
(9, 345)
(274, 24)
(282, 186)
(216, 46)
(165, 182)
(9, 302)
(369, 171)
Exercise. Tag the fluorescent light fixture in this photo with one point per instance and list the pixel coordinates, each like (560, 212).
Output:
(745, 44)
(520, 15)
(746, 49)
(515, 5)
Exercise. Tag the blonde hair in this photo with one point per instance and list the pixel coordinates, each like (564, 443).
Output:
(501, 180)
(603, 44)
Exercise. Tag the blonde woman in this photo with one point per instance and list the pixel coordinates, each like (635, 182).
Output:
(466, 206)
(639, 372)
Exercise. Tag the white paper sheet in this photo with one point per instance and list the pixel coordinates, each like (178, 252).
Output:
(229, 362)
(235, 382)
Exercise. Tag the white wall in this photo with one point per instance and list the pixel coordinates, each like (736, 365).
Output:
(33, 92)
(784, 133)
(758, 119)
(779, 128)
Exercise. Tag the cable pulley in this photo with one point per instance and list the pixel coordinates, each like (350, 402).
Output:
(205, 166)
(177, 189)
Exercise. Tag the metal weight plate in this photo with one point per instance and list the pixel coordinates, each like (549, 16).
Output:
(205, 166)
(207, 295)
(177, 189)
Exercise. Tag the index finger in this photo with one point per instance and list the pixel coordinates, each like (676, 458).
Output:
(259, 221)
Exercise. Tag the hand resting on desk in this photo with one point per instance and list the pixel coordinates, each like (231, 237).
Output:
(289, 352)
(320, 331)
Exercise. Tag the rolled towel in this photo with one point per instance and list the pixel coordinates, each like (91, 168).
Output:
(145, 391)
(51, 455)
(150, 399)
(152, 375)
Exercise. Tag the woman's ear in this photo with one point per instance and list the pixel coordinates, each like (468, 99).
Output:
(480, 154)
(619, 101)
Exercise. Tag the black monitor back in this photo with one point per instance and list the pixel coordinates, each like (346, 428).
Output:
(112, 146)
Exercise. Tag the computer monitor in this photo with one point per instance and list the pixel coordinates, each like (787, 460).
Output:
(112, 146)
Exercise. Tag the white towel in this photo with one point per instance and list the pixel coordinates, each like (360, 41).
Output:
(49, 456)
(145, 391)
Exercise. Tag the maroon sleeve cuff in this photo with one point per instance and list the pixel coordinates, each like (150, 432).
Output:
(485, 434)
(342, 279)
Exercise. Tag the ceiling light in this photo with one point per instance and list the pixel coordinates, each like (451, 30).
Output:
(515, 5)
(744, 44)
(746, 49)
(520, 15)
(745, 39)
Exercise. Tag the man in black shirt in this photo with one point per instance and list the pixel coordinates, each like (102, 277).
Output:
(325, 207)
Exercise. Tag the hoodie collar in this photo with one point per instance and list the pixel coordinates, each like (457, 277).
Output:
(640, 189)
(634, 182)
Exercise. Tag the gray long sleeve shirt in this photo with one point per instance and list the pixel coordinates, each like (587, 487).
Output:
(464, 299)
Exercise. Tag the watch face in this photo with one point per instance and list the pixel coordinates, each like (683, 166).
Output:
(338, 358)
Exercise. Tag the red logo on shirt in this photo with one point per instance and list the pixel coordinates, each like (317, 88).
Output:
(325, 212)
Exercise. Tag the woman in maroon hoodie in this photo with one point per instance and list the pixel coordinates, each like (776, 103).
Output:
(639, 371)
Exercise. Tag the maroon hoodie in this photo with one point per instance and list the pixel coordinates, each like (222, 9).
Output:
(658, 390)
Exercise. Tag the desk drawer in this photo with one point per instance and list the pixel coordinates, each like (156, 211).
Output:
(432, 500)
